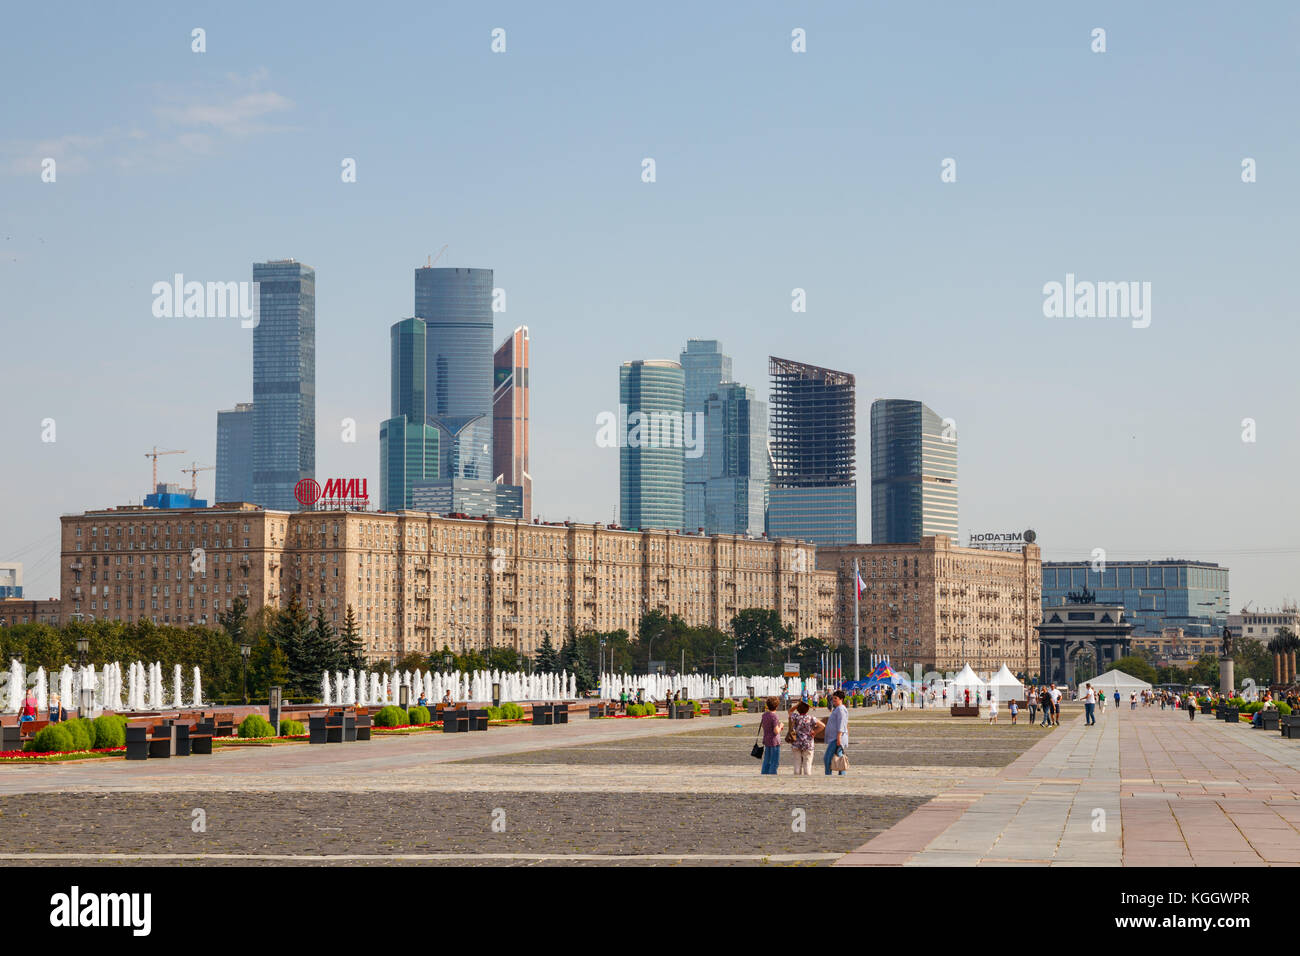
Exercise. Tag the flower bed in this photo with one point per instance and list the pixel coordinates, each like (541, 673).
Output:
(19, 756)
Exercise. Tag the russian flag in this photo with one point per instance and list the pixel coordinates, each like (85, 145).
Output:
(862, 585)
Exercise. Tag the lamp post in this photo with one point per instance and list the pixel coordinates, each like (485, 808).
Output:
(244, 651)
(447, 660)
(83, 645)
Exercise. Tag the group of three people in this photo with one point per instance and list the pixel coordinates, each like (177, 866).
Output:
(801, 734)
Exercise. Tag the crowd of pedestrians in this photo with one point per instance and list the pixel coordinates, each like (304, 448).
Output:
(800, 730)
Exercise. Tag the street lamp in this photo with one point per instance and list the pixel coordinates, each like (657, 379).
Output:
(83, 645)
(245, 650)
(447, 660)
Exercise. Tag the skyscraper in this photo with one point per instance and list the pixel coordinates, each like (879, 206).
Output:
(705, 369)
(284, 382)
(651, 395)
(814, 493)
(510, 416)
(408, 446)
(456, 306)
(234, 478)
(735, 456)
(913, 473)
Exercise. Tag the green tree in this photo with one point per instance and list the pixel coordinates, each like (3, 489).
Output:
(1139, 667)
(760, 637)
(548, 660)
(291, 633)
(412, 662)
(234, 620)
(353, 652)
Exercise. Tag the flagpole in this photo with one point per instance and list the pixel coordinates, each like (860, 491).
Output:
(857, 599)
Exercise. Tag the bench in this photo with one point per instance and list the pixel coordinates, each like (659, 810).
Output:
(15, 736)
(1267, 719)
(1290, 726)
(154, 739)
(959, 711)
(1232, 715)
(339, 725)
(683, 711)
(601, 710)
(718, 709)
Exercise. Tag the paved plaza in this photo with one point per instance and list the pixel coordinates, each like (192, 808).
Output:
(1145, 787)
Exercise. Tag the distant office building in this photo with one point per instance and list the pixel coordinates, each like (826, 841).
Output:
(735, 456)
(1192, 595)
(456, 306)
(913, 473)
(284, 382)
(705, 369)
(408, 445)
(11, 579)
(473, 497)
(510, 417)
(235, 453)
(651, 393)
(1262, 625)
(814, 492)
(171, 496)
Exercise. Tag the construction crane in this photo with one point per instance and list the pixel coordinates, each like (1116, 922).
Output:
(193, 472)
(435, 258)
(155, 454)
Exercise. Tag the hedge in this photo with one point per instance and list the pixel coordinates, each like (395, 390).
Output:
(54, 738)
(291, 728)
(83, 733)
(255, 725)
(391, 716)
(420, 715)
(110, 731)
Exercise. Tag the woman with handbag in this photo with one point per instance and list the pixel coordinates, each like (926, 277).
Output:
(802, 737)
(837, 735)
(770, 725)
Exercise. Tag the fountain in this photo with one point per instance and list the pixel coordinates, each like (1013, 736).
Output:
(198, 688)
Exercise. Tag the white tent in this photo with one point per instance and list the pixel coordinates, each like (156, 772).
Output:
(1005, 686)
(966, 679)
(1113, 680)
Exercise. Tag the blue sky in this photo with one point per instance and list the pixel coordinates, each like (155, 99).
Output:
(775, 170)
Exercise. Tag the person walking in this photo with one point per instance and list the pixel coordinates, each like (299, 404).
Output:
(837, 730)
(1015, 709)
(993, 709)
(771, 725)
(1056, 706)
(1117, 698)
(804, 725)
(1132, 701)
(1089, 707)
(1032, 699)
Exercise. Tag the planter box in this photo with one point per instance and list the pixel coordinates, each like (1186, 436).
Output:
(754, 707)
(1221, 713)
(957, 711)
(1232, 715)
(1268, 719)
(1290, 727)
(719, 709)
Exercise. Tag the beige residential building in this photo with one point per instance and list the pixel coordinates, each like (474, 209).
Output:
(418, 581)
(937, 605)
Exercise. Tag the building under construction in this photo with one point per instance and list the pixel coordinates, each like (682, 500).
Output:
(814, 492)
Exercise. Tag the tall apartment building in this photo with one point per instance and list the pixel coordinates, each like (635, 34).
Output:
(814, 493)
(408, 444)
(1265, 624)
(1174, 592)
(418, 581)
(510, 425)
(234, 478)
(938, 605)
(735, 458)
(651, 460)
(284, 381)
(705, 368)
(913, 473)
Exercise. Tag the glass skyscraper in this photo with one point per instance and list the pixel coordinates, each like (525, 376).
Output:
(814, 491)
(1192, 595)
(234, 478)
(456, 306)
(510, 412)
(284, 382)
(408, 446)
(735, 456)
(705, 369)
(913, 473)
(651, 394)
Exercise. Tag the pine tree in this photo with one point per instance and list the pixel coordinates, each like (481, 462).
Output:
(324, 652)
(548, 661)
(353, 653)
(291, 633)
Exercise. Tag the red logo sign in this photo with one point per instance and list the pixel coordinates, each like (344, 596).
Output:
(338, 493)
(307, 491)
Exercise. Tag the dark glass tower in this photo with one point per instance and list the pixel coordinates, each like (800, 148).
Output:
(456, 306)
(913, 473)
(234, 478)
(650, 394)
(408, 445)
(284, 382)
(735, 458)
(814, 492)
(705, 368)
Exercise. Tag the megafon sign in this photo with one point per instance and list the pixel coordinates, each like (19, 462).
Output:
(1001, 540)
(339, 494)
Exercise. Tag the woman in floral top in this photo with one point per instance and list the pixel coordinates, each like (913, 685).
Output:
(804, 727)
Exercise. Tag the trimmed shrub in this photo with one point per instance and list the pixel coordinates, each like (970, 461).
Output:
(495, 713)
(110, 731)
(291, 728)
(391, 716)
(1284, 708)
(83, 733)
(419, 715)
(55, 738)
(255, 725)
(512, 710)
